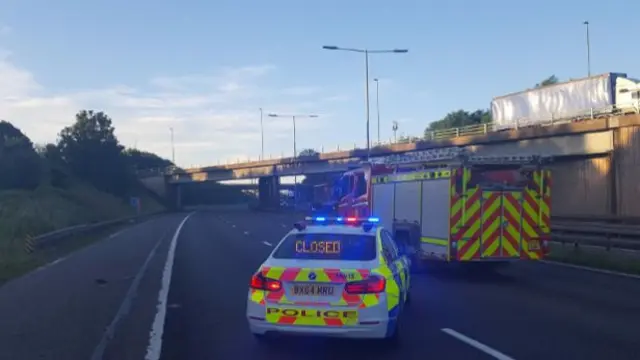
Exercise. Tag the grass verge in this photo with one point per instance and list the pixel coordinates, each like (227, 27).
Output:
(17, 262)
(599, 258)
(47, 208)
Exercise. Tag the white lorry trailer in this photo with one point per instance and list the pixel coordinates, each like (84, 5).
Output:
(599, 95)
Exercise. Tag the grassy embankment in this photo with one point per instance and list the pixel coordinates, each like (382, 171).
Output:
(31, 213)
(614, 260)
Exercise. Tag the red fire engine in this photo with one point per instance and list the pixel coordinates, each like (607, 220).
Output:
(449, 205)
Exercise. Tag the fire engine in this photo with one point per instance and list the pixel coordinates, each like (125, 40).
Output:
(447, 204)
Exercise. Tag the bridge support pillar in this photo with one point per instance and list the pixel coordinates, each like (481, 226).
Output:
(269, 192)
(174, 194)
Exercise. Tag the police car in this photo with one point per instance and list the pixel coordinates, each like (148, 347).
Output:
(336, 277)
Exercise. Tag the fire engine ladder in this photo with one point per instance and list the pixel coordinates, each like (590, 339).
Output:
(448, 156)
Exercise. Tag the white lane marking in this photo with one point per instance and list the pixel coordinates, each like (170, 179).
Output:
(155, 336)
(587, 268)
(267, 243)
(233, 226)
(119, 232)
(284, 226)
(476, 344)
(125, 306)
(45, 266)
(246, 233)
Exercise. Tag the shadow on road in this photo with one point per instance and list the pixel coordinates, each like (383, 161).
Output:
(323, 348)
(469, 273)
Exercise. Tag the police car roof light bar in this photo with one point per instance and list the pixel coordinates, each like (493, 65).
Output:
(348, 219)
(367, 223)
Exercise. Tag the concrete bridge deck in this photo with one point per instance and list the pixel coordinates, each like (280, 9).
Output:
(591, 137)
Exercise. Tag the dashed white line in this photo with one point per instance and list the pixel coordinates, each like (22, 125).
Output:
(478, 345)
(284, 226)
(45, 266)
(246, 233)
(233, 226)
(155, 336)
(125, 306)
(267, 243)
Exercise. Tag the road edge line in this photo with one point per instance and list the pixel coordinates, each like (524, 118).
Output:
(154, 347)
(591, 269)
(476, 344)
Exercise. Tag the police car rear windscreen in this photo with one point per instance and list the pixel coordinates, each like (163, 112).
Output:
(327, 247)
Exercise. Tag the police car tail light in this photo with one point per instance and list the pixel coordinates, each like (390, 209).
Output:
(373, 284)
(260, 282)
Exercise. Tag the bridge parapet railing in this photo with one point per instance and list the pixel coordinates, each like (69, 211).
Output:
(450, 133)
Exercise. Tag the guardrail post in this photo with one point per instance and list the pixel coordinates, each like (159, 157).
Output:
(29, 245)
(457, 132)
(485, 128)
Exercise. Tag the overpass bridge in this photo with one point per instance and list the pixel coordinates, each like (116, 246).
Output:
(587, 175)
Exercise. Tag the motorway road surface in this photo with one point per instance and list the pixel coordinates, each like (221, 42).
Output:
(114, 300)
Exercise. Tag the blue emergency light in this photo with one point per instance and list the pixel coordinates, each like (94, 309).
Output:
(347, 220)
(366, 222)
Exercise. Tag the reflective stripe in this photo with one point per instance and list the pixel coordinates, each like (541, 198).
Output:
(434, 241)
(290, 315)
(412, 176)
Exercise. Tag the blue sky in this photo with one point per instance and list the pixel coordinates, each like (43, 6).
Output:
(205, 67)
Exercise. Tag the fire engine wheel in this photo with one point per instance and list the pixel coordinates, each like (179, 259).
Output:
(418, 266)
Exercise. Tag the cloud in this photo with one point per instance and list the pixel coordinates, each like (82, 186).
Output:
(5, 30)
(211, 113)
(300, 90)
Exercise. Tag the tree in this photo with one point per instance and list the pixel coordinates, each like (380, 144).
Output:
(20, 166)
(459, 118)
(143, 160)
(92, 152)
(308, 152)
(551, 80)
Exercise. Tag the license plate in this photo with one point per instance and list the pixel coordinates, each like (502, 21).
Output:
(534, 245)
(313, 290)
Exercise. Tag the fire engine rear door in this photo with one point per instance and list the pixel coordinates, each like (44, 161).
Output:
(501, 225)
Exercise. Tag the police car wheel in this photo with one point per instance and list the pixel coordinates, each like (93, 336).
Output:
(394, 340)
(261, 338)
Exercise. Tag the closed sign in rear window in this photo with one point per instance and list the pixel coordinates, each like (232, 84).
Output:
(327, 247)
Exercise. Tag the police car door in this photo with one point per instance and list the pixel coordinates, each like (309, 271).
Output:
(397, 263)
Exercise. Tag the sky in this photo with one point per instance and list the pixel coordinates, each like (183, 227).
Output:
(206, 67)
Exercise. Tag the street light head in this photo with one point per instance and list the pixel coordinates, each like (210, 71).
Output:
(313, 116)
(400, 50)
(273, 115)
(326, 47)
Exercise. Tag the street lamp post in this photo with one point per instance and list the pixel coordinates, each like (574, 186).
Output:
(295, 149)
(366, 53)
(378, 106)
(173, 149)
(395, 130)
(261, 137)
(586, 23)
